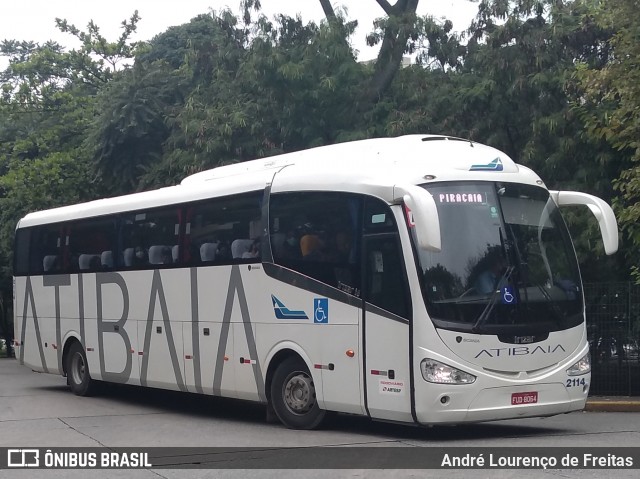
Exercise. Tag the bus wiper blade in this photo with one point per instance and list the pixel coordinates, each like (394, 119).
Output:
(493, 300)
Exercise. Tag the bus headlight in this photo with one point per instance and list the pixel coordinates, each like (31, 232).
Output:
(583, 366)
(436, 372)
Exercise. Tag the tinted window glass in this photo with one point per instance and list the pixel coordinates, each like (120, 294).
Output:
(21, 259)
(318, 234)
(225, 230)
(46, 252)
(91, 245)
(150, 238)
(378, 217)
(386, 286)
(506, 260)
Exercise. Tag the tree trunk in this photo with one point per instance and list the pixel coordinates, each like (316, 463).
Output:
(402, 18)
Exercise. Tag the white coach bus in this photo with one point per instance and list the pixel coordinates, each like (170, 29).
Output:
(419, 279)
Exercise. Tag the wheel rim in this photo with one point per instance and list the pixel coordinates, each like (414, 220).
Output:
(299, 393)
(78, 369)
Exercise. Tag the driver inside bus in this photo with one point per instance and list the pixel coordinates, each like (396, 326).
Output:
(493, 267)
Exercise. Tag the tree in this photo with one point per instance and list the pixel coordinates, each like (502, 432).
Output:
(111, 55)
(393, 32)
(514, 87)
(610, 107)
(273, 87)
(46, 110)
(128, 133)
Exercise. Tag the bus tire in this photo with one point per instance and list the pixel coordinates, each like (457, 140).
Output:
(293, 395)
(77, 368)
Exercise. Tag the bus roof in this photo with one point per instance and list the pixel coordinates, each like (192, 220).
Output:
(371, 166)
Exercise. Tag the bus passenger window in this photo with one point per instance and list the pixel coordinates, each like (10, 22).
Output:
(90, 244)
(46, 254)
(21, 257)
(225, 230)
(318, 234)
(151, 238)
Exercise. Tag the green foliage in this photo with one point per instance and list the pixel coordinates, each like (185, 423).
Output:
(514, 87)
(109, 54)
(47, 109)
(279, 86)
(57, 179)
(610, 107)
(128, 133)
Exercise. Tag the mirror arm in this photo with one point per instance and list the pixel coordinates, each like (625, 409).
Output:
(599, 208)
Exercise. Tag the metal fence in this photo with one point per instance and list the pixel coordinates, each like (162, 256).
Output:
(613, 328)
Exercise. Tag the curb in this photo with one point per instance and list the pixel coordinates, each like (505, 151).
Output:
(613, 405)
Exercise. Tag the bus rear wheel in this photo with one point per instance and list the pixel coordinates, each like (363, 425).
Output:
(293, 395)
(77, 368)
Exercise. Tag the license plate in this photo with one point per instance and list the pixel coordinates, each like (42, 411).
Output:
(518, 399)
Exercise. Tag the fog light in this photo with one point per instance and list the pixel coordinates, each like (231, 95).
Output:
(583, 366)
(436, 372)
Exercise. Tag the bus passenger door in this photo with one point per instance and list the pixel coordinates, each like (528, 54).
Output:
(386, 329)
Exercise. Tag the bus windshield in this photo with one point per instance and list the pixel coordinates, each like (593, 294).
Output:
(507, 264)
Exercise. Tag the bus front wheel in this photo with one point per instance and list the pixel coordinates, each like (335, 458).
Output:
(78, 377)
(293, 395)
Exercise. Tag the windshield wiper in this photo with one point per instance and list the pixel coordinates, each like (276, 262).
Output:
(493, 300)
(525, 277)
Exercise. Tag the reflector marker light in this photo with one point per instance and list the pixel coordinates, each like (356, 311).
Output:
(376, 372)
(247, 361)
(329, 367)
(91, 349)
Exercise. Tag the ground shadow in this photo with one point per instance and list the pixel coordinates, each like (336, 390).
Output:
(235, 410)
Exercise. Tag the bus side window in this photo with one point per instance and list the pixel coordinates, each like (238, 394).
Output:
(225, 230)
(151, 238)
(21, 258)
(318, 235)
(46, 253)
(90, 244)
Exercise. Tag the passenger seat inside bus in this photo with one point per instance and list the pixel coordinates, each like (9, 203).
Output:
(208, 251)
(106, 258)
(160, 254)
(50, 262)
(239, 247)
(89, 262)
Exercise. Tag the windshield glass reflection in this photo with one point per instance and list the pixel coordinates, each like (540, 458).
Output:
(506, 260)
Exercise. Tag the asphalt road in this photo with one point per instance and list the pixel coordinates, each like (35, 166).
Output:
(37, 410)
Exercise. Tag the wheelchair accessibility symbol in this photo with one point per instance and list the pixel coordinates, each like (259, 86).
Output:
(321, 310)
(507, 295)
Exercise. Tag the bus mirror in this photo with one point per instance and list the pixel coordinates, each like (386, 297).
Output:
(423, 216)
(600, 209)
